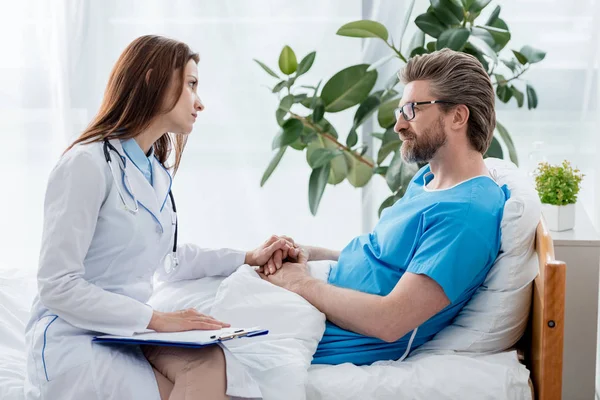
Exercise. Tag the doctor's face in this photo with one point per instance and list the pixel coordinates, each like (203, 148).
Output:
(182, 117)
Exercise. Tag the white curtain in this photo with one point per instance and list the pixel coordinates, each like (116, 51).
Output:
(57, 55)
(565, 124)
(56, 59)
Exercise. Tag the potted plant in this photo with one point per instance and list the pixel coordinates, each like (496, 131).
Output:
(303, 111)
(558, 186)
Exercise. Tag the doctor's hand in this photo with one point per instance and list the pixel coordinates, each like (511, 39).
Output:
(281, 245)
(299, 254)
(184, 320)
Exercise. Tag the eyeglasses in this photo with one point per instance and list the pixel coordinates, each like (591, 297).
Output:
(408, 109)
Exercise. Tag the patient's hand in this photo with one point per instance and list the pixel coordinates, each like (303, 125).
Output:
(280, 256)
(290, 276)
(297, 254)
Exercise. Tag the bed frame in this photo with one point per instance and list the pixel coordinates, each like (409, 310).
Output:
(542, 344)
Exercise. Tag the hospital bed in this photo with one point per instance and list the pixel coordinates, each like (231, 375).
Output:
(542, 345)
(540, 349)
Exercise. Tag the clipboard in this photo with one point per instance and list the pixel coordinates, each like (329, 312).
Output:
(190, 339)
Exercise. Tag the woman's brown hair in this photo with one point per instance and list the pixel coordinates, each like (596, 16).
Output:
(137, 89)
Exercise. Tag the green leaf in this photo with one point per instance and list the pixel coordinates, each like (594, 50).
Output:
(298, 144)
(400, 173)
(316, 187)
(470, 49)
(493, 16)
(430, 24)
(447, 11)
(348, 87)
(298, 98)
(366, 108)
(272, 165)
(484, 48)
(280, 116)
(385, 115)
(407, 16)
(501, 36)
(512, 151)
(286, 103)
(418, 40)
(511, 64)
(267, 69)
(532, 100)
(306, 63)
(327, 127)
(381, 61)
(359, 173)
(504, 93)
(308, 135)
(484, 35)
(291, 131)
(377, 135)
(287, 61)
(380, 170)
(418, 51)
(518, 95)
(277, 88)
(430, 47)
(520, 57)
(352, 138)
(322, 156)
(478, 5)
(453, 38)
(364, 29)
(495, 149)
(387, 148)
(500, 24)
(533, 55)
(339, 168)
(467, 4)
(319, 111)
(500, 79)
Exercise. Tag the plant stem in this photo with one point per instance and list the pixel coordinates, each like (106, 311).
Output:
(504, 82)
(327, 136)
(396, 51)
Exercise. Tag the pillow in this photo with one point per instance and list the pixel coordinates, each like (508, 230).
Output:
(495, 318)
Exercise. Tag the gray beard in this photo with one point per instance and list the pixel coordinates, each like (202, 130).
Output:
(421, 149)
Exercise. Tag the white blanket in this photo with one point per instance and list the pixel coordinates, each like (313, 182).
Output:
(279, 363)
(276, 363)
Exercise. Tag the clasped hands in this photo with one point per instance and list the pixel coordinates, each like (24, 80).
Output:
(282, 262)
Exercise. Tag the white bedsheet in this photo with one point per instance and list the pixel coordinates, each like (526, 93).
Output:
(278, 362)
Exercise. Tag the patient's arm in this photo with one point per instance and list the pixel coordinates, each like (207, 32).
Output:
(320, 253)
(414, 300)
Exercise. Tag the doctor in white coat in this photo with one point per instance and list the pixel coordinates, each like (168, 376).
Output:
(109, 225)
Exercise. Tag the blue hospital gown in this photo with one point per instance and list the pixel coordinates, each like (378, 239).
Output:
(451, 235)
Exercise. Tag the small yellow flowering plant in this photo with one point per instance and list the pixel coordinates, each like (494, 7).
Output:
(558, 184)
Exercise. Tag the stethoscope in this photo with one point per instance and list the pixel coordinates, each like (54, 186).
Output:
(171, 260)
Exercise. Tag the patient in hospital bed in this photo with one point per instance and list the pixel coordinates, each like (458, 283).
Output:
(393, 289)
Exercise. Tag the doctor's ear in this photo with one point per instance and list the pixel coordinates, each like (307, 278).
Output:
(147, 78)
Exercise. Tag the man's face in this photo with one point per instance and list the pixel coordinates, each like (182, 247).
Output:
(424, 133)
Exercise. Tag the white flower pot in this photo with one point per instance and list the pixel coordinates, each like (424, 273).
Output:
(559, 218)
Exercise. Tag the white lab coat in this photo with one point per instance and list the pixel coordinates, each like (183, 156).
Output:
(96, 266)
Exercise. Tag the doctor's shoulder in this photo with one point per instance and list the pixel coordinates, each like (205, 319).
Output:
(81, 162)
